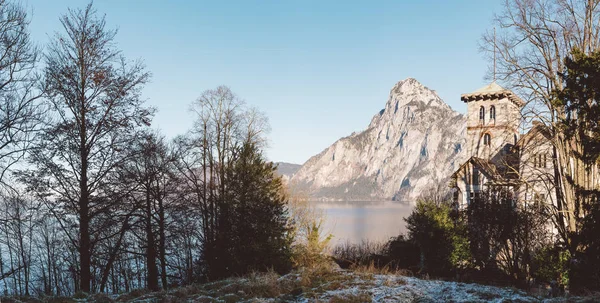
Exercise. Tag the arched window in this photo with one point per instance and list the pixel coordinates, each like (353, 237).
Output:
(492, 113)
(487, 139)
(482, 114)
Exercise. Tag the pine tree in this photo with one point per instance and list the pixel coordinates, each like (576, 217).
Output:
(254, 232)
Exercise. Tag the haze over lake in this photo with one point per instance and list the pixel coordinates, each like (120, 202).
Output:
(355, 221)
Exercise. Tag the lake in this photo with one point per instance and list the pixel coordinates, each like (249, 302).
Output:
(357, 221)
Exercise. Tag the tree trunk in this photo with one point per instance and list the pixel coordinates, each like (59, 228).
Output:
(84, 222)
(84, 247)
(113, 255)
(162, 244)
(150, 246)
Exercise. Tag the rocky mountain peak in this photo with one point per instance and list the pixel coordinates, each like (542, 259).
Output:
(407, 97)
(413, 143)
(410, 92)
(407, 85)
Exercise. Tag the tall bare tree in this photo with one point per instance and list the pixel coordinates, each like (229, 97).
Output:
(535, 36)
(206, 162)
(20, 90)
(94, 94)
(149, 173)
(17, 229)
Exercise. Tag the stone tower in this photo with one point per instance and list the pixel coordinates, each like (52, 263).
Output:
(493, 117)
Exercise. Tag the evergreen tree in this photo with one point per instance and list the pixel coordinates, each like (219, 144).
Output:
(442, 247)
(254, 231)
(579, 100)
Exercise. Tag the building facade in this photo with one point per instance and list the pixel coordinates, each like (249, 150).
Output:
(498, 154)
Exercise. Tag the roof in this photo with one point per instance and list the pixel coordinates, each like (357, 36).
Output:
(492, 91)
(539, 130)
(485, 166)
(490, 170)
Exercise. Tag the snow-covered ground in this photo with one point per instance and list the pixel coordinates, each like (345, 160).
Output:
(344, 286)
(331, 286)
(390, 288)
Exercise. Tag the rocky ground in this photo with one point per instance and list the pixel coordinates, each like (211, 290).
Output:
(336, 286)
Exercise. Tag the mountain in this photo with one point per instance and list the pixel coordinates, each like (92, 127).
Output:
(287, 170)
(412, 145)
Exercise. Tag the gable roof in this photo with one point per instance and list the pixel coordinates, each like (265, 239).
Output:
(485, 166)
(492, 91)
(538, 132)
(494, 174)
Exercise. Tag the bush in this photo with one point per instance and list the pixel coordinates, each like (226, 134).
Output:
(584, 271)
(403, 253)
(550, 263)
(504, 236)
(312, 252)
(311, 241)
(439, 238)
(362, 254)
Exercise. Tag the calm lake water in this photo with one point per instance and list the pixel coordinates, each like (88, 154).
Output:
(357, 220)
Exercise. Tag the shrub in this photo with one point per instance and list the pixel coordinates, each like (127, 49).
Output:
(311, 242)
(441, 244)
(503, 235)
(361, 254)
(550, 263)
(403, 253)
(312, 252)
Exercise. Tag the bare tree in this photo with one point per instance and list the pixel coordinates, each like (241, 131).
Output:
(17, 230)
(150, 173)
(20, 92)
(94, 94)
(535, 36)
(49, 245)
(205, 160)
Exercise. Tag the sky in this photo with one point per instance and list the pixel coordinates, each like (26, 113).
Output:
(319, 70)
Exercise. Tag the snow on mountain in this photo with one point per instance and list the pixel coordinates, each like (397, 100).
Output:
(410, 146)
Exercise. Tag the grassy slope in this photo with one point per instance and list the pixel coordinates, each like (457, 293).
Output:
(326, 286)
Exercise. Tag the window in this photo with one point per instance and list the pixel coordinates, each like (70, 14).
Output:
(539, 201)
(492, 113)
(544, 161)
(475, 176)
(539, 160)
(482, 114)
(487, 139)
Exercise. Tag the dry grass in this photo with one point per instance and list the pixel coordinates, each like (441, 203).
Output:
(361, 253)
(136, 293)
(353, 298)
(372, 269)
(266, 285)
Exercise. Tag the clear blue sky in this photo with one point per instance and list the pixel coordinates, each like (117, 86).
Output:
(318, 69)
